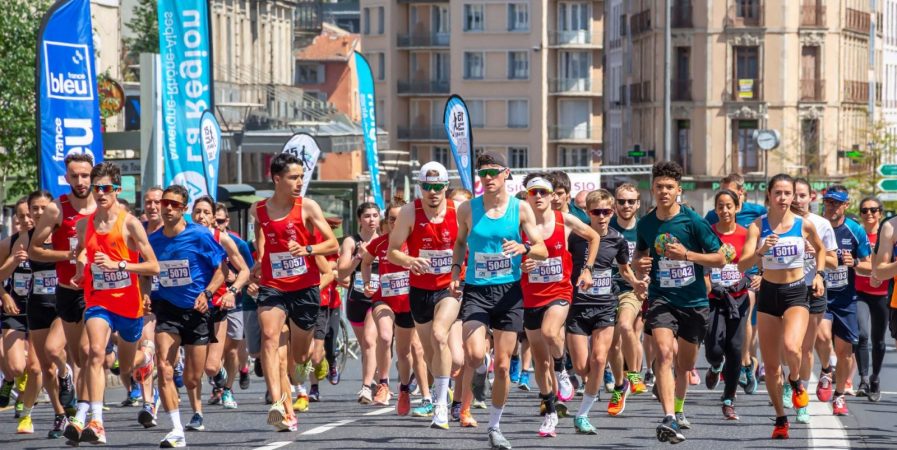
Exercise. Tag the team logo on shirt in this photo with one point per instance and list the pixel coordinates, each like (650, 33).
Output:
(662, 241)
(729, 252)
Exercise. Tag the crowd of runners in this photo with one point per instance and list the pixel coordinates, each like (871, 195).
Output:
(469, 296)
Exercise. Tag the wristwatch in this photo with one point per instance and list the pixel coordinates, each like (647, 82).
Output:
(209, 294)
(122, 265)
(232, 290)
(308, 249)
(527, 247)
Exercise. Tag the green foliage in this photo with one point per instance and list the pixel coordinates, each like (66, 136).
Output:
(145, 26)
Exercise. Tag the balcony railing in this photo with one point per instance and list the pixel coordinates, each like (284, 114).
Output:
(423, 40)
(858, 21)
(812, 15)
(640, 92)
(578, 133)
(812, 90)
(572, 85)
(856, 91)
(745, 13)
(423, 87)
(422, 133)
(640, 23)
(681, 15)
(680, 90)
(747, 89)
(573, 37)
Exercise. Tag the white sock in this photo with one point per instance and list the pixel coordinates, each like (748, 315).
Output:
(586, 405)
(441, 390)
(96, 410)
(300, 389)
(81, 414)
(176, 420)
(495, 415)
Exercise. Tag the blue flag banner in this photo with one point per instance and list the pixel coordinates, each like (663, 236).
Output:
(68, 109)
(211, 148)
(457, 126)
(186, 57)
(369, 124)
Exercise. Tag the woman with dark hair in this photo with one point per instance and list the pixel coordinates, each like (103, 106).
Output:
(872, 310)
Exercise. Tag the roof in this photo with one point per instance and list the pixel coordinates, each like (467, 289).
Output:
(333, 44)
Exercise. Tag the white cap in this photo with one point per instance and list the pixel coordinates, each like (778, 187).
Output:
(539, 183)
(433, 166)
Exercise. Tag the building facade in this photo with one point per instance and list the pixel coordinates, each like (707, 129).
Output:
(889, 67)
(530, 72)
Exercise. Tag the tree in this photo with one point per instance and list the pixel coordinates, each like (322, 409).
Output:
(145, 26)
(19, 25)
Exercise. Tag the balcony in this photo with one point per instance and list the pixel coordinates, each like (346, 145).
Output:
(681, 15)
(680, 90)
(857, 21)
(573, 86)
(575, 133)
(812, 90)
(812, 15)
(412, 40)
(572, 37)
(745, 13)
(640, 23)
(747, 89)
(640, 92)
(423, 87)
(422, 133)
(856, 91)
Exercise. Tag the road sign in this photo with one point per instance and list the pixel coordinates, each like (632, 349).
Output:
(637, 153)
(888, 196)
(888, 185)
(852, 154)
(887, 170)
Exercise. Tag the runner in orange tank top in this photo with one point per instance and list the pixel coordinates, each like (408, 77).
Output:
(111, 243)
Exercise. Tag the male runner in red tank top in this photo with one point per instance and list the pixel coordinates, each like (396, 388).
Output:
(287, 273)
(58, 222)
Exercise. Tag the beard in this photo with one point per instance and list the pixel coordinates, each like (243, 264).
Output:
(79, 196)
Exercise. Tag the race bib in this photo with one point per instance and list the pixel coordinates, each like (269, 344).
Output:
(549, 271)
(21, 283)
(174, 273)
(787, 253)
(631, 246)
(601, 282)
(836, 278)
(676, 273)
(358, 283)
(729, 275)
(285, 265)
(105, 280)
(154, 284)
(44, 282)
(440, 261)
(491, 265)
(394, 284)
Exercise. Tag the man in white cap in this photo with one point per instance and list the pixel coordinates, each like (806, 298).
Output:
(429, 227)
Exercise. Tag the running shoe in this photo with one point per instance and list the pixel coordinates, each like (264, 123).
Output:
(333, 376)
(147, 415)
(21, 383)
(72, 431)
(803, 416)
(440, 417)
(565, 387)
(413, 387)
(711, 378)
(479, 387)
(257, 367)
(729, 410)
(636, 385)
(116, 368)
(6, 393)
(145, 370)
(314, 394)
(848, 389)
(524, 381)
(761, 373)
(301, 371)
(617, 403)
(382, 396)
(364, 395)
(863, 388)
(824, 388)
(693, 378)
(322, 369)
(403, 405)
(649, 378)
(668, 431)
(583, 426)
(752, 381)
(874, 391)
(787, 398)
(134, 394)
(561, 409)
(424, 410)
(780, 431)
(682, 421)
(609, 381)
(227, 399)
(66, 388)
(179, 374)
(799, 396)
(244, 378)
(276, 413)
(290, 423)
(839, 406)
(478, 404)
(549, 424)
(215, 396)
(497, 440)
(219, 379)
(174, 439)
(301, 403)
(94, 433)
(195, 423)
(743, 377)
(467, 420)
(25, 426)
(515, 369)
(456, 411)
(59, 424)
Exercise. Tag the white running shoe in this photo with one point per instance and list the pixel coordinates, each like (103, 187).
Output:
(549, 423)
(565, 387)
(174, 439)
(440, 417)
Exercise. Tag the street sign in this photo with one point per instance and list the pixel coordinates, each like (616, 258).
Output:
(888, 196)
(637, 153)
(851, 154)
(887, 170)
(888, 185)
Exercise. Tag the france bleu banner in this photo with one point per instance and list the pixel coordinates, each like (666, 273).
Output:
(186, 57)
(211, 148)
(68, 110)
(456, 119)
(369, 123)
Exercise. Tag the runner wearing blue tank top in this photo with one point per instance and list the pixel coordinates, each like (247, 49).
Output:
(777, 243)
(489, 238)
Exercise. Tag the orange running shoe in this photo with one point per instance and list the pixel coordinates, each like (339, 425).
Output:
(780, 431)
(383, 395)
(799, 396)
(94, 433)
(636, 385)
(403, 406)
(617, 403)
(467, 420)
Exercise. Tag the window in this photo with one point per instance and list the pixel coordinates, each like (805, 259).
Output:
(518, 17)
(574, 157)
(683, 144)
(518, 157)
(518, 113)
(747, 73)
(366, 21)
(473, 17)
(518, 65)
(442, 155)
(381, 114)
(474, 63)
(477, 110)
(574, 65)
(381, 20)
(809, 136)
(309, 73)
(746, 150)
(381, 66)
(574, 16)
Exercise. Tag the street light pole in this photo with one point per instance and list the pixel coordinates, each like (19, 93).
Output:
(667, 80)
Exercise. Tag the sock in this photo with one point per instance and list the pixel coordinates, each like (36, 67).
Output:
(300, 390)
(670, 417)
(404, 388)
(679, 405)
(26, 411)
(796, 384)
(81, 414)
(314, 387)
(176, 420)
(833, 360)
(549, 401)
(558, 365)
(619, 388)
(838, 394)
(495, 416)
(455, 403)
(96, 410)
(482, 369)
(384, 381)
(781, 420)
(827, 370)
(440, 390)
(586, 405)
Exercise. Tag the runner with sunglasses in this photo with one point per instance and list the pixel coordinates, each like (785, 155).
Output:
(884, 267)
(490, 229)
(872, 311)
(547, 294)
(112, 252)
(429, 227)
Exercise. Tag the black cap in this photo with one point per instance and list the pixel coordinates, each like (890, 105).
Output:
(493, 158)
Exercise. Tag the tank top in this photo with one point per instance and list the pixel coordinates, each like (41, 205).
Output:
(788, 253)
(435, 242)
(487, 265)
(216, 298)
(394, 279)
(65, 238)
(20, 281)
(729, 274)
(43, 278)
(862, 283)
(550, 280)
(117, 291)
(280, 269)
(357, 292)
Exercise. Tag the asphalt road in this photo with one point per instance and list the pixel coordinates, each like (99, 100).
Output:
(338, 422)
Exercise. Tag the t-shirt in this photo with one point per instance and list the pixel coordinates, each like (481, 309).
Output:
(681, 283)
(579, 213)
(613, 249)
(748, 214)
(244, 301)
(729, 275)
(187, 262)
(851, 238)
(863, 284)
(827, 234)
(630, 236)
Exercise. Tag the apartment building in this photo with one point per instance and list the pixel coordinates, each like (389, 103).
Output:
(530, 73)
(889, 64)
(797, 66)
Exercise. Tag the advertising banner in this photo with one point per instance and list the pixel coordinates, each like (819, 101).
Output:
(211, 149)
(457, 126)
(367, 104)
(305, 147)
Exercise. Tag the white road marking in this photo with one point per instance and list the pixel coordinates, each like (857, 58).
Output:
(325, 428)
(273, 445)
(381, 411)
(826, 430)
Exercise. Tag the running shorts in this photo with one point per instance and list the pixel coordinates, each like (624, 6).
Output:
(128, 329)
(774, 299)
(69, 304)
(357, 310)
(845, 325)
(498, 306)
(689, 324)
(235, 324)
(628, 299)
(532, 317)
(194, 327)
(300, 306)
(423, 303)
(584, 319)
(40, 314)
(818, 305)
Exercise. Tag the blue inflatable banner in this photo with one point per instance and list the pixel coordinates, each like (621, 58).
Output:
(369, 123)
(186, 58)
(456, 119)
(211, 148)
(68, 109)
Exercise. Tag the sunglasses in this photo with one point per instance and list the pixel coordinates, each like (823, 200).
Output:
(168, 203)
(433, 187)
(483, 173)
(539, 192)
(105, 188)
(221, 221)
(601, 212)
(831, 201)
(626, 201)
(870, 210)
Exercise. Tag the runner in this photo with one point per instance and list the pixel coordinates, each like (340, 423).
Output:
(429, 227)
(853, 257)
(110, 241)
(884, 267)
(288, 279)
(320, 366)
(147, 414)
(777, 244)
(674, 245)
(331, 344)
(192, 269)
(872, 311)
(489, 239)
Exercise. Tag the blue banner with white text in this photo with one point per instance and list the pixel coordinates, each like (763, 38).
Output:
(186, 59)
(366, 102)
(456, 119)
(211, 149)
(68, 109)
